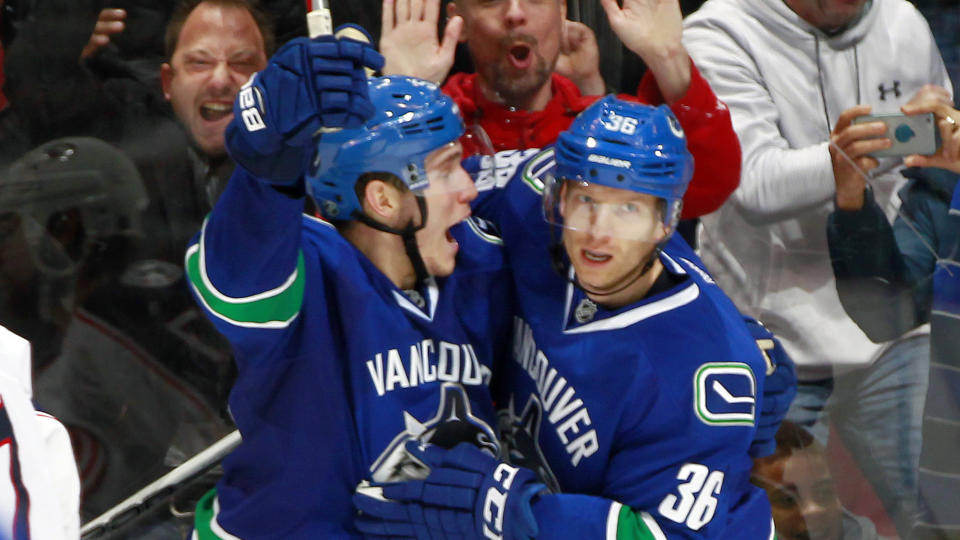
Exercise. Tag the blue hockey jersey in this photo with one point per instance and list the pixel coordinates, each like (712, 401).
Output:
(337, 366)
(645, 412)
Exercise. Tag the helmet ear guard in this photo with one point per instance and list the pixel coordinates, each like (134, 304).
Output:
(413, 118)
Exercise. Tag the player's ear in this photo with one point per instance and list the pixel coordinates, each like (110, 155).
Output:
(382, 201)
(166, 79)
(659, 233)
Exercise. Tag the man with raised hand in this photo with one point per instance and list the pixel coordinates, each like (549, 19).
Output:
(523, 103)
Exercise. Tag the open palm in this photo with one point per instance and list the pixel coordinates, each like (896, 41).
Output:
(409, 42)
(646, 26)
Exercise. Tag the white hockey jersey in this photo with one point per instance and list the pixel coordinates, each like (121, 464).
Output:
(40, 497)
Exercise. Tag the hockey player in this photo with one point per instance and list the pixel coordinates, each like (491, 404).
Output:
(351, 335)
(40, 494)
(635, 383)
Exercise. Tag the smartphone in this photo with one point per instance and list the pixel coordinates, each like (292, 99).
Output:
(913, 134)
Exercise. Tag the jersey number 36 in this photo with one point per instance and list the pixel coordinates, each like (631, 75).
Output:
(697, 501)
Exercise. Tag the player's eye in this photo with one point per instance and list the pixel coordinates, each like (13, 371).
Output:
(629, 208)
(584, 199)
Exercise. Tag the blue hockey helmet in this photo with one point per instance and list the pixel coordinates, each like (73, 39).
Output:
(626, 145)
(413, 118)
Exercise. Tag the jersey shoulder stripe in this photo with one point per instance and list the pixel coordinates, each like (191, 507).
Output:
(274, 308)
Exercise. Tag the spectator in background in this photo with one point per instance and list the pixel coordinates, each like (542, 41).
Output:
(109, 101)
(795, 73)
(146, 305)
(892, 279)
(523, 104)
(213, 47)
(802, 492)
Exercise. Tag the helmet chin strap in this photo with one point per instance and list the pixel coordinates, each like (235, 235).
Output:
(408, 235)
(557, 252)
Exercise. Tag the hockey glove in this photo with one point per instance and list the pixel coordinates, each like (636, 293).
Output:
(467, 494)
(779, 388)
(309, 84)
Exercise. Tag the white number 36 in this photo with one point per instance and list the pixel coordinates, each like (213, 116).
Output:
(623, 124)
(697, 501)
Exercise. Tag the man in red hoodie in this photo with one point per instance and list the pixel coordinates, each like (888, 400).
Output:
(523, 104)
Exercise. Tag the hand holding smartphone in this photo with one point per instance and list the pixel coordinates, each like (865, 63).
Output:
(910, 134)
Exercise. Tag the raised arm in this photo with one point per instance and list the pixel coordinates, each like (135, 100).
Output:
(409, 41)
(245, 267)
(653, 29)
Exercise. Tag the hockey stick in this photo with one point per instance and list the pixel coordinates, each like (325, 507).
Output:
(145, 499)
(320, 23)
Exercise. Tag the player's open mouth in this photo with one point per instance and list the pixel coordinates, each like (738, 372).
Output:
(451, 240)
(520, 56)
(595, 257)
(212, 112)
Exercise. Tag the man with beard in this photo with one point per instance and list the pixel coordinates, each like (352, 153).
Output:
(523, 104)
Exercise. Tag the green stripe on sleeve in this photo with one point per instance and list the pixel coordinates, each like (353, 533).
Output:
(205, 526)
(637, 526)
(275, 308)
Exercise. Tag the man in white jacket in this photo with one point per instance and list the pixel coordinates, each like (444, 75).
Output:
(794, 74)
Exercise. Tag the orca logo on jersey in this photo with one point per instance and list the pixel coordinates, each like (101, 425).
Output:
(452, 423)
(725, 394)
(519, 435)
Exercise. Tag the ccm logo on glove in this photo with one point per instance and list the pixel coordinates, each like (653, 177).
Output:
(496, 500)
(250, 105)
